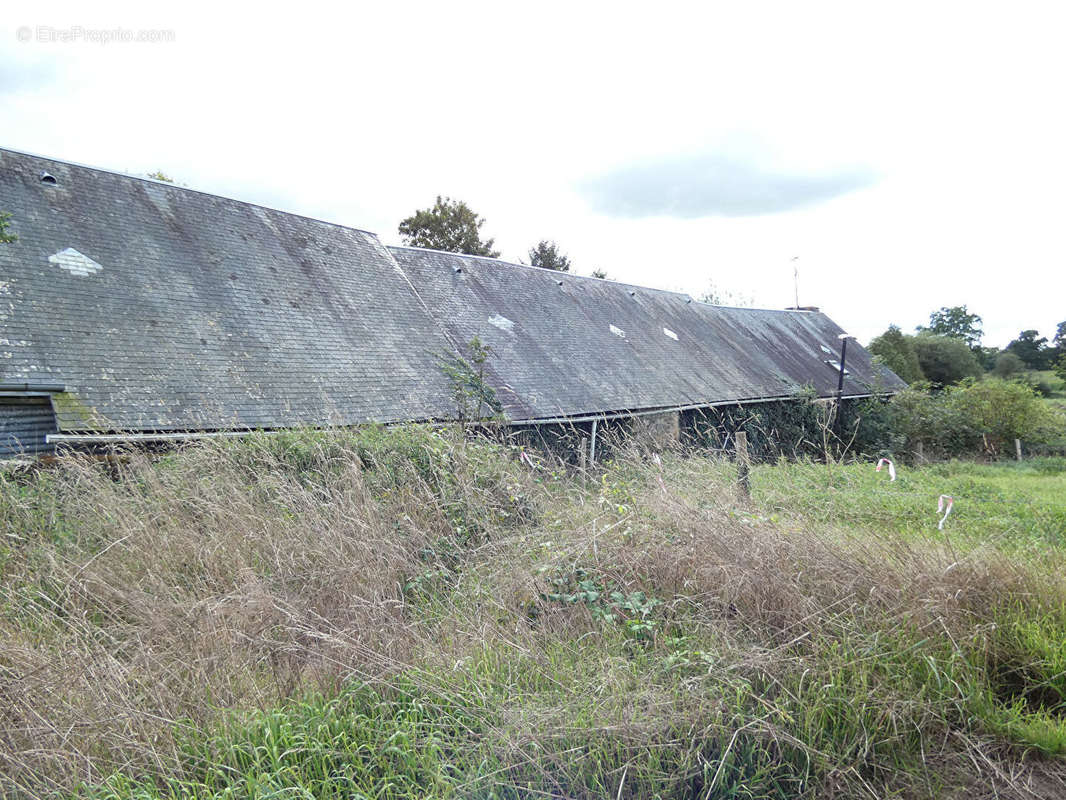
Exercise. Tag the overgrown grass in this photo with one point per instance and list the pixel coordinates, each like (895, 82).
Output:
(399, 614)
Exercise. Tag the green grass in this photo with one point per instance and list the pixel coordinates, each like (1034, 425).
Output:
(397, 614)
(1010, 504)
(1048, 377)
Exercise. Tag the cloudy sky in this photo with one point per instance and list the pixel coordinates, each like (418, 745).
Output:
(910, 155)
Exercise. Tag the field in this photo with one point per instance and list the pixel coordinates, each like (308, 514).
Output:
(399, 614)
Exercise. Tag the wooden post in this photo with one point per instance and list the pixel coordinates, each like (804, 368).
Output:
(1018, 448)
(743, 463)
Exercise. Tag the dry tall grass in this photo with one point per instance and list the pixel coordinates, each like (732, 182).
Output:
(145, 598)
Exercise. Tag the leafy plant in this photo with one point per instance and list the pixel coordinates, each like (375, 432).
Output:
(634, 611)
(475, 400)
(6, 237)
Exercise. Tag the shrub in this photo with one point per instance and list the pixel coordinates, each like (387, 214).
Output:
(976, 416)
(792, 428)
(1003, 411)
(924, 421)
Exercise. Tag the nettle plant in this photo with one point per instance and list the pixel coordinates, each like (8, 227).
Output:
(634, 611)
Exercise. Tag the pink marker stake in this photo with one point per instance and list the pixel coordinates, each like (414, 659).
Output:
(891, 468)
(943, 506)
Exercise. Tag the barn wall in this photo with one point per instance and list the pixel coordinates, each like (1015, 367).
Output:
(24, 424)
(658, 431)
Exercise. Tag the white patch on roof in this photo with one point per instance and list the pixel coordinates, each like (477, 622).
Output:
(670, 333)
(618, 331)
(74, 262)
(826, 350)
(502, 323)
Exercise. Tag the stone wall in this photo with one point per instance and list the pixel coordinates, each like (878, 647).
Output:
(658, 431)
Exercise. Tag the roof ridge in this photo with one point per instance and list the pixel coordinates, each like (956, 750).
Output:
(545, 269)
(590, 278)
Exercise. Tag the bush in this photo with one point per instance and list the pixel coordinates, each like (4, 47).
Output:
(800, 427)
(790, 428)
(1003, 411)
(974, 417)
(924, 421)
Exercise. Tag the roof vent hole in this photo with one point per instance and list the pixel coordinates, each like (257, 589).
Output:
(49, 178)
(457, 270)
(558, 283)
(632, 293)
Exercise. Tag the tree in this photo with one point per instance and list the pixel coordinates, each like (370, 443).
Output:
(716, 296)
(1059, 356)
(547, 256)
(986, 356)
(159, 175)
(955, 322)
(897, 352)
(599, 273)
(6, 237)
(1032, 348)
(450, 225)
(945, 359)
(1008, 365)
(472, 393)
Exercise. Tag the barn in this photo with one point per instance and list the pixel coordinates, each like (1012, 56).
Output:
(135, 310)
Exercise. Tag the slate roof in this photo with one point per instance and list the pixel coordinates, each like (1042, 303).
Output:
(162, 309)
(206, 313)
(568, 345)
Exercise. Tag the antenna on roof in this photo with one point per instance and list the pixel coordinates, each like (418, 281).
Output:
(796, 279)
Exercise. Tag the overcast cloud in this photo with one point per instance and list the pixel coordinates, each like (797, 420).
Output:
(713, 184)
(910, 154)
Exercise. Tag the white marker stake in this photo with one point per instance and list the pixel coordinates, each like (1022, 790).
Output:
(659, 462)
(944, 505)
(891, 468)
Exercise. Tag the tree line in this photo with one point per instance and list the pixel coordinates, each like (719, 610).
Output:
(948, 350)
